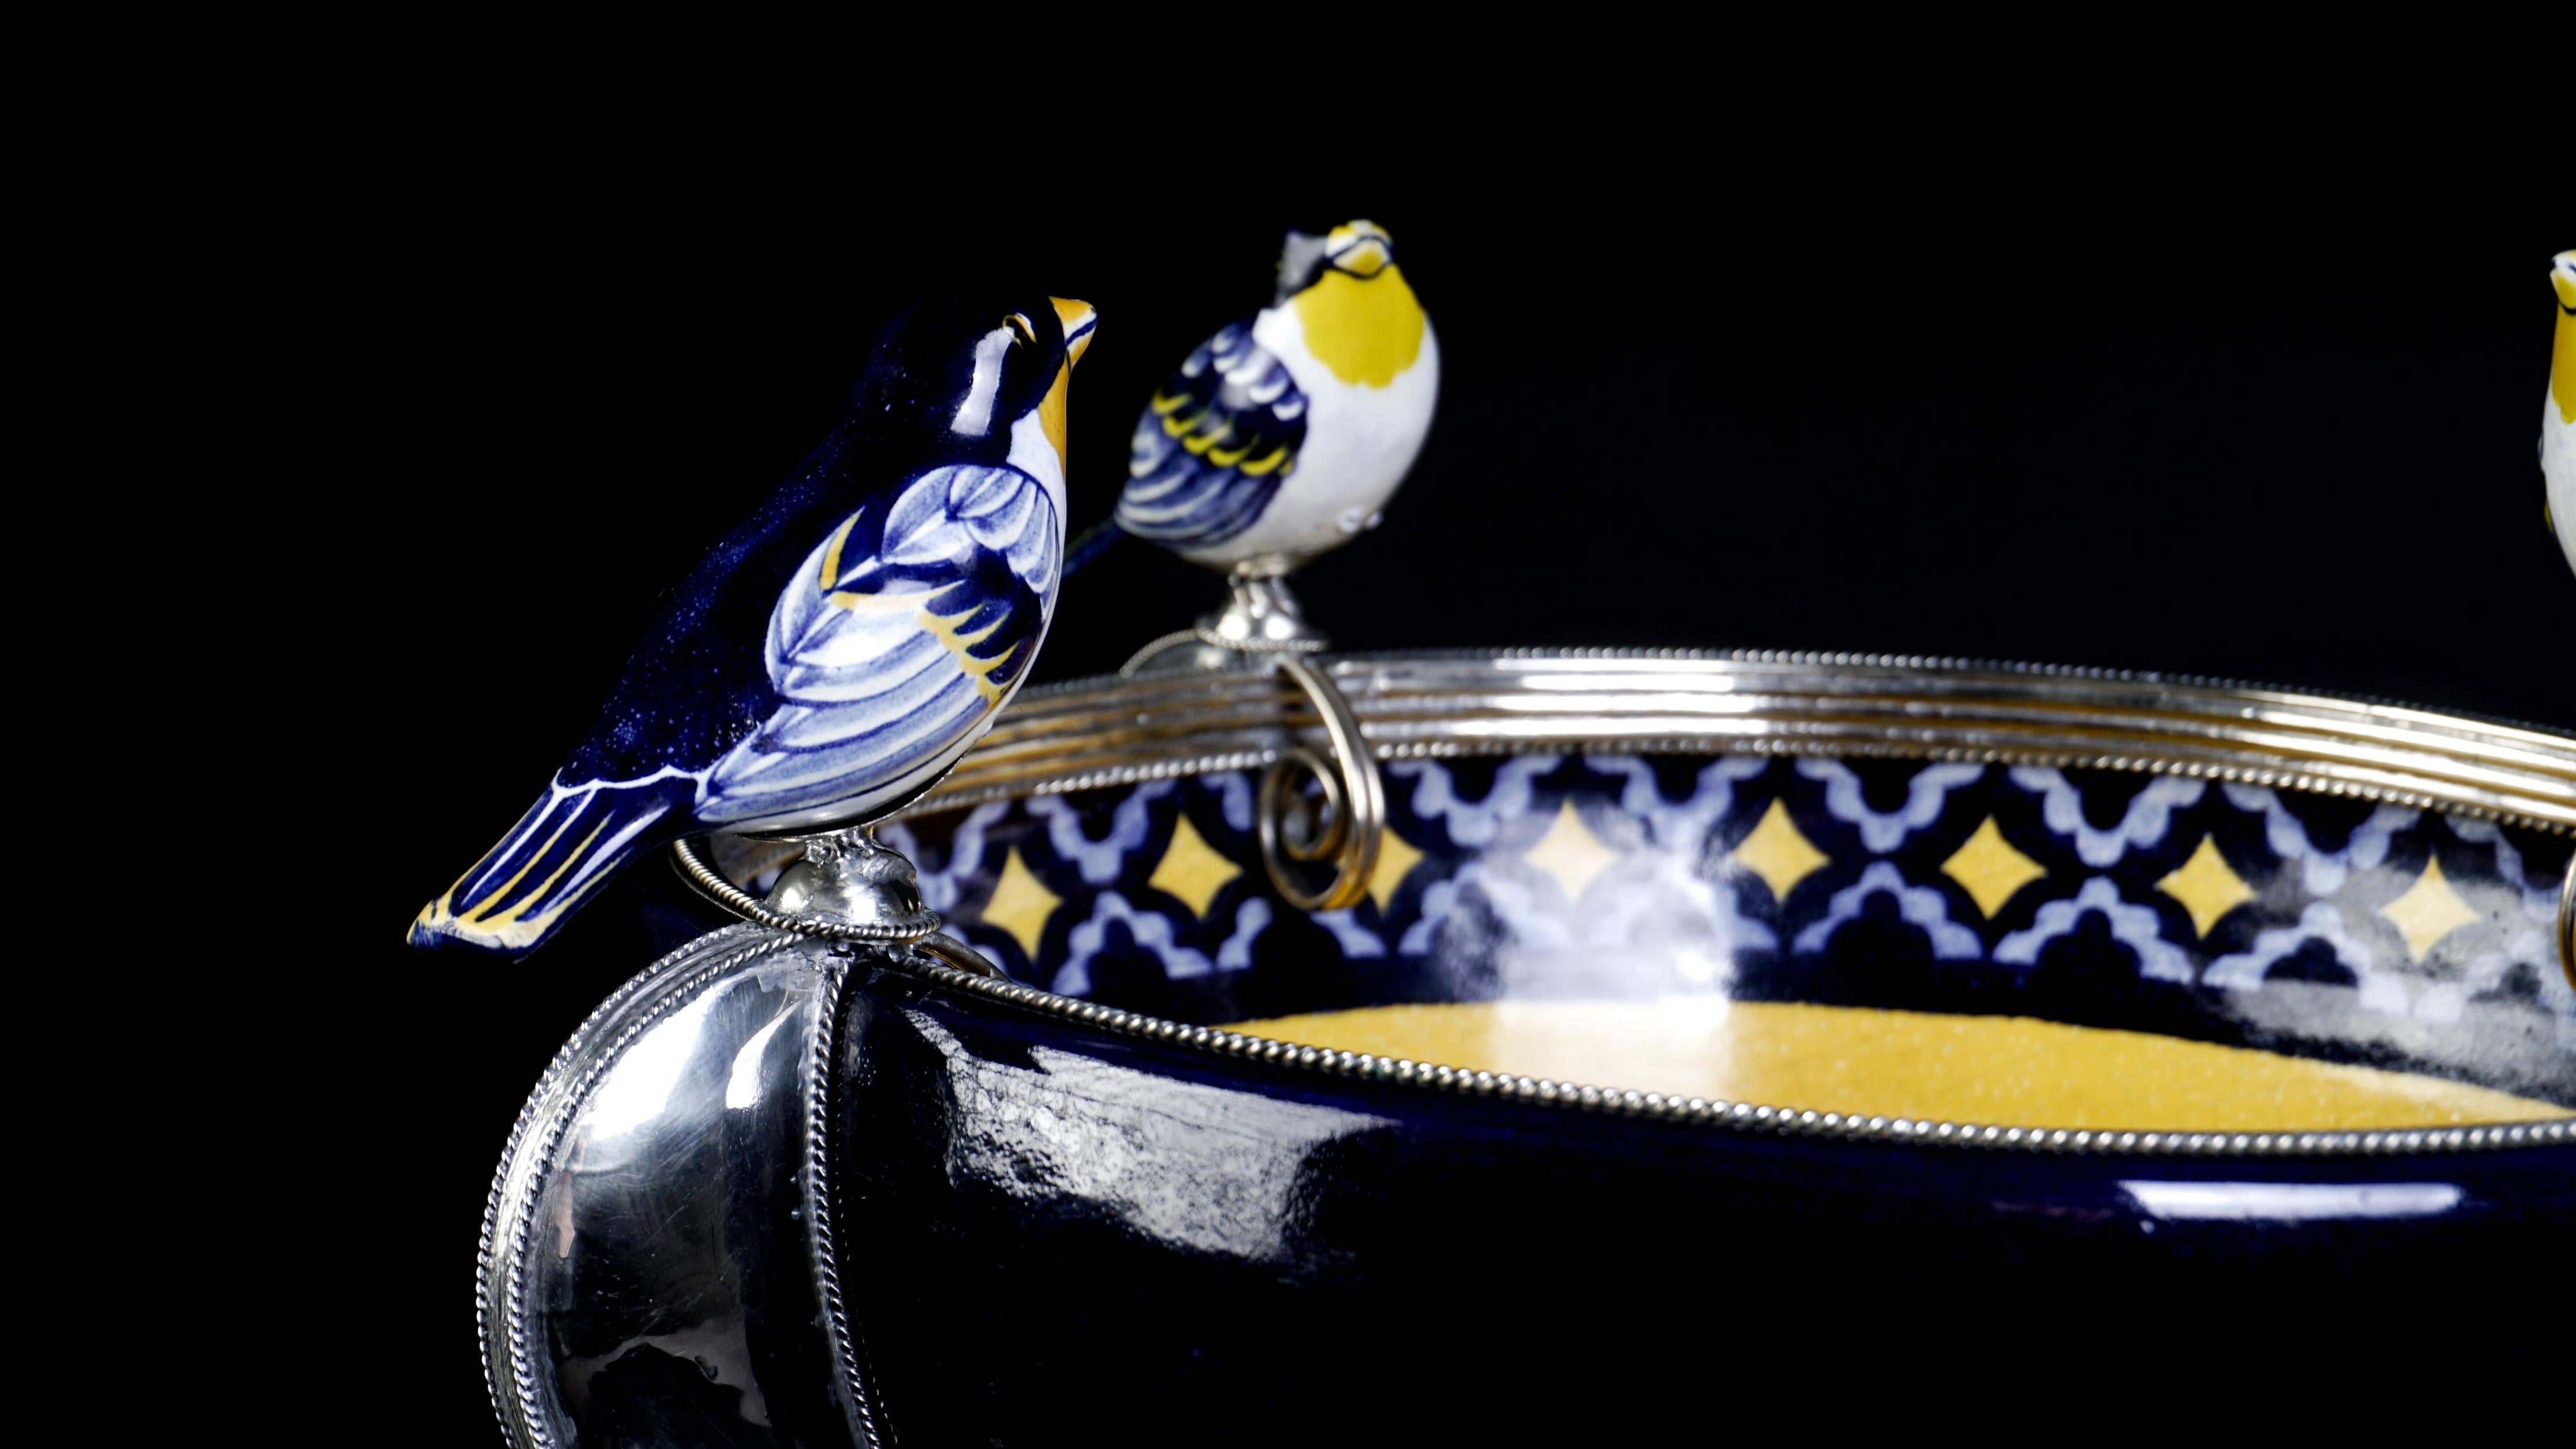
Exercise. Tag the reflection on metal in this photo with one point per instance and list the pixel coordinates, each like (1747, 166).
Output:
(846, 878)
(2292, 1202)
(1746, 1116)
(847, 888)
(1161, 724)
(668, 1253)
(2567, 922)
(631, 1268)
(1353, 819)
(1261, 617)
(959, 956)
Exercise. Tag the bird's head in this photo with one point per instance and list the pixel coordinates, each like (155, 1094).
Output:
(1358, 249)
(978, 374)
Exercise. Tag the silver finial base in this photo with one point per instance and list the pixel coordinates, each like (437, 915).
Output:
(847, 887)
(848, 877)
(1260, 617)
(1348, 823)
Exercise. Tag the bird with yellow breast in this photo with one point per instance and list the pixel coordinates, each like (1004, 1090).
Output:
(1284, 435)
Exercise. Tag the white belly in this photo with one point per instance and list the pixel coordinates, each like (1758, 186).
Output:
(2558, 466)
(1359, 443)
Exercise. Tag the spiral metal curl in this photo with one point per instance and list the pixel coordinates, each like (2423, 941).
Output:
(2567, 922)
(1354, 816)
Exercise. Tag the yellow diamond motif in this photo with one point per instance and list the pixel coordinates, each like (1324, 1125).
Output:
(1396, 858)
(2428, 911)
(1990, 870)
(1570, 854)
(1191, 869)
(1776, 852)
(2206, 887)
(1021, 904)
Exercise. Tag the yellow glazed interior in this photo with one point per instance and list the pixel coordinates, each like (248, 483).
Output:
(2009, 1070)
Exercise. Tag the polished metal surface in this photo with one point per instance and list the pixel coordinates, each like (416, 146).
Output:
(778, 1188)
(848, 878)
(2567, 922)
(959, 956)
(1354, 817)
(1260, 617)
(657, 1263)
(1158, 725)
(845, 887)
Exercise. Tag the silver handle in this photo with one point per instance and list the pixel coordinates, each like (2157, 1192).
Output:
(1354, 802)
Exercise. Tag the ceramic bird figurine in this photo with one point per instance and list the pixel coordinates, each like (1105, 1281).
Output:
(837, 652)
(2558, 411)
(1284, 434)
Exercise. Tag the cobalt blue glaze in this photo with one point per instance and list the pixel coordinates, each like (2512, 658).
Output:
(1052, 1235)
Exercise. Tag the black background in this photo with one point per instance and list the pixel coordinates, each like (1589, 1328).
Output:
(2259, 405)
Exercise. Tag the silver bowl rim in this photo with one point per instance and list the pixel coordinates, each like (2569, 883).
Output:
(1090, 733)
(1105, 731)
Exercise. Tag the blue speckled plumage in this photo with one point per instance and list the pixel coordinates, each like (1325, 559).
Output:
(834, 654)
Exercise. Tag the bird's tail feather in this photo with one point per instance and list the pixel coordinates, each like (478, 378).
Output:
(1094, 542)
(568, 844)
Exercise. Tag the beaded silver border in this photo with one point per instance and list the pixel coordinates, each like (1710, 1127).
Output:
(698, 868)
(1743, 1116)
(818, 1191)
(521, 1407)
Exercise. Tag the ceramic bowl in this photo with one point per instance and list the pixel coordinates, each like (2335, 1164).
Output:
(1895, 1011)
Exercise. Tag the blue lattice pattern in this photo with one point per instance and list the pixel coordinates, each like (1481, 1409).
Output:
(2217, 911)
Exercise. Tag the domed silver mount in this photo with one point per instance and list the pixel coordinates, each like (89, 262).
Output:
(1260, 617)
(848, 879)
(1343, 820)
(844, 886)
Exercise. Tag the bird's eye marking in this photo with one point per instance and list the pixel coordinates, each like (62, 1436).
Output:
(1020, 328)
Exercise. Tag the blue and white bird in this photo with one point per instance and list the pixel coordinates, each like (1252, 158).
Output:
(1284, 435)
(836, 653)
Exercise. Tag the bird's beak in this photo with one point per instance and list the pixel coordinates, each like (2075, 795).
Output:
(1079, 321)
(1362, 248)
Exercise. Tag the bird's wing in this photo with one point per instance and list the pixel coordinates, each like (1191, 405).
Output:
(893, 644)
(1211, 449)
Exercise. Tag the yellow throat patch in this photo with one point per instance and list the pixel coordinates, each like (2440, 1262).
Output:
(1364, 332)
(2562, 355)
